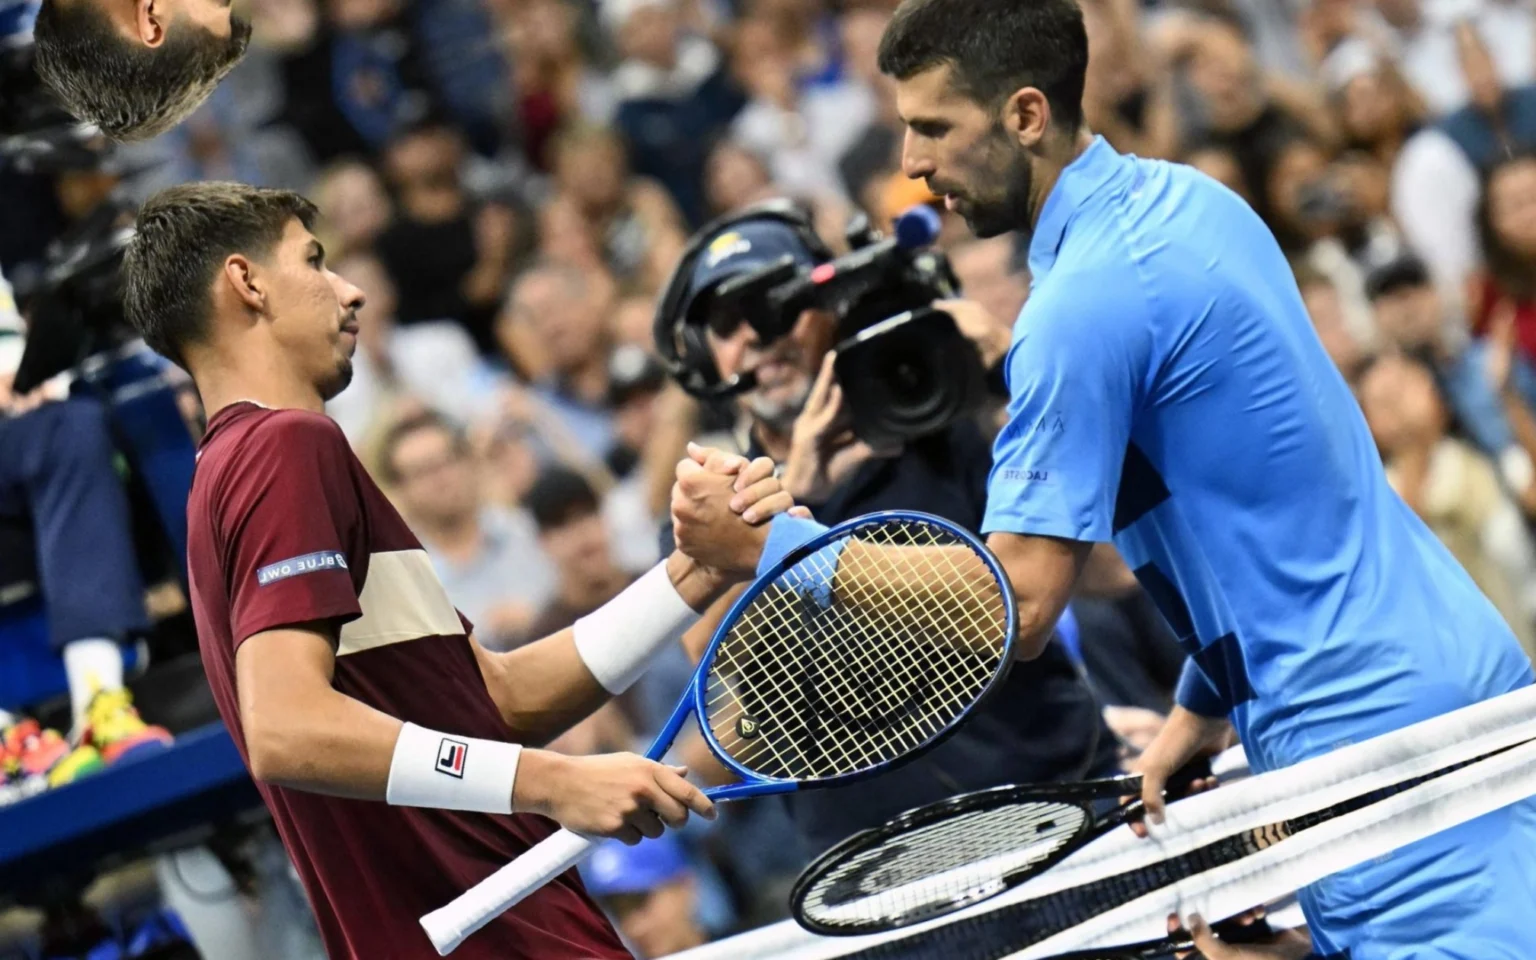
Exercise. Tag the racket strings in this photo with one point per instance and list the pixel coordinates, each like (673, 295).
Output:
(1010, 929)
(809, 687)
(942, 864)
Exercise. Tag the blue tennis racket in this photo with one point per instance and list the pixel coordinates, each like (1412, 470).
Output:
(860, 649)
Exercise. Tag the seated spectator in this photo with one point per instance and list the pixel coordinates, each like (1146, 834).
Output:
(502, 441)
(573, 535)
(450, 257)
(1129, 96)
(1244, 108)
(488, 558)
(1506, 225)
(1411, 317)
(553, 81)
(1439, 177)
(651, 893)
(630, 217)
(734, 177)
(801, 127)
(635, 382)
(1454, 488)
(675, 97)
(1220, 164)
(1378, 109)
(1341, 329)
(1332, 214)
(357, 79)
(1424, 36)
(58, 475)
(354, 209)
(564, 314)
(992, 274)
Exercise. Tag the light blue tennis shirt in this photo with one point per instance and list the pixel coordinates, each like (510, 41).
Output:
(1168, 393)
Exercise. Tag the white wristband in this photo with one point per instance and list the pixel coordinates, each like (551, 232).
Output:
(617, 640)
(448, 772)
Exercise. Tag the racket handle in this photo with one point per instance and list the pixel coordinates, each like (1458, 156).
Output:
(448, 926)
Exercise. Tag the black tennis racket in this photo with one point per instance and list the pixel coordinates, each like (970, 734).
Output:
(1018, 926)
(948, 855)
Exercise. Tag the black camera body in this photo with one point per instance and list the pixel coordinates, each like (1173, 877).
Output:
(904, 366)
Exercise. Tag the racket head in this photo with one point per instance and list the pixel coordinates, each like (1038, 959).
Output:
(741, 712)
(943, 857)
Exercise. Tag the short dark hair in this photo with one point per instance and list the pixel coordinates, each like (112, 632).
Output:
(182, 236)
(559, 496)
(389, 474)
(130, 91)
(994, 48)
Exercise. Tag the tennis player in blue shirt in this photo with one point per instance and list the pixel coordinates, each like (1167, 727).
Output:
(1168, 393)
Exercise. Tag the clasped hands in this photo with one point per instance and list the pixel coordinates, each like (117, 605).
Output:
(721, 506)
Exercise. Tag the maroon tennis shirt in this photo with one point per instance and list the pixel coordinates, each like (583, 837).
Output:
(285, 527)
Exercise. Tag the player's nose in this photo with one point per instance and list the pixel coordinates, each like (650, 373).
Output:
(348, 294)
(915, 163)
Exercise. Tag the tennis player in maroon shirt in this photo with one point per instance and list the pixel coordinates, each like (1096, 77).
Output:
(385, 741)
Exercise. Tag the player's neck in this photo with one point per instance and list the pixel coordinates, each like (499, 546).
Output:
(220, 385)
(1057, 161)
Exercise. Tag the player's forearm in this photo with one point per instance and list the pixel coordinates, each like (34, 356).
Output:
(329, 743)
(546, 687)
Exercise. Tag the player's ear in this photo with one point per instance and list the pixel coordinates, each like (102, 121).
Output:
(241, 277)
(149, 21)
(1026, 115)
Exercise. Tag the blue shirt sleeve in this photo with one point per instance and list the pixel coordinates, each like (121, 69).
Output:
(1081, 356)
(1197, 694)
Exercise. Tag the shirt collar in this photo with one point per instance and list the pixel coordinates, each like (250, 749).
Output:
(1081, 179)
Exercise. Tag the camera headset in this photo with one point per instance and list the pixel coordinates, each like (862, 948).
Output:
(681, 339)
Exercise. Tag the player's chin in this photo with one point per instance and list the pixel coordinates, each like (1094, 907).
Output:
(339, 380)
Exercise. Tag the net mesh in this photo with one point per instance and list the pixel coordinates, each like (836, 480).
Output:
(943, 865)
(855, 658)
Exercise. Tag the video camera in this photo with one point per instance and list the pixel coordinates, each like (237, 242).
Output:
(904, 366)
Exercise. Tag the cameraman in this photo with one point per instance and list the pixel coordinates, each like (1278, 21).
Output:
(1044, 725)
(58, 475)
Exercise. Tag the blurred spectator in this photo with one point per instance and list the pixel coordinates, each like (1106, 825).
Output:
(1506, 226)
(1411, 317)
(633, 220)
(1332, 214)
(636, 380)
(734, 177)
(1423, 34)
(802, 126)
(573, 535)
(675, 96)
(450, 258)
(1438, 180)
(633, 322)
(1454, 488)
(503, 443)
(1220, 164)
(553, 80)
(1241, 106)
(354, 209)
(650, 892)
(1128, 97)
(354, 79)
(487, 557)
(564, 313)
(991, 274)
(1337, 326)
(1377, 107)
